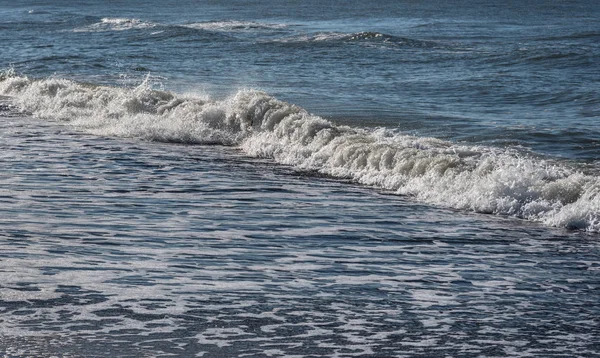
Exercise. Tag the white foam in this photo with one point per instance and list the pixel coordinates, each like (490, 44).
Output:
(475, 178)
(318, 37)
(332, 37)
(221, 337)
(116, 24)
(234, 25)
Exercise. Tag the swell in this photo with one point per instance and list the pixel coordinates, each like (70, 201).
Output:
(123, 24)
(116, 24)
(234, 26)
(476, 178)
(364, 37)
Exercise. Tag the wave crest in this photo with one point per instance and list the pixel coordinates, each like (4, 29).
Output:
(116, 24)
(476, 178)
(233, 25)
(365, 38)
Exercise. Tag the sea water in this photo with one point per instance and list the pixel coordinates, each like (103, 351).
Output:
(299, 179)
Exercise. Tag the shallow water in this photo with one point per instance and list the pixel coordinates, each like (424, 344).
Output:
(128, 248)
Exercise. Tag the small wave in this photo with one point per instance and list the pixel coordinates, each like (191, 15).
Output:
(365, 37)
(116, 24)
(317, 37)
(390, 39)
(232, 25)
(476, 178)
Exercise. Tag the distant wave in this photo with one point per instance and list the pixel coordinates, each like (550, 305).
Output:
(233, 25)
(359, 37)
(116, 24)
(466, 177)
(124, 24)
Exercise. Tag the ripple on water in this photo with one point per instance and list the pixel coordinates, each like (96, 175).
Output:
(142, 249)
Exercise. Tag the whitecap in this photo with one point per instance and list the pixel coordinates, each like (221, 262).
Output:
(500, 181)
(116, 24)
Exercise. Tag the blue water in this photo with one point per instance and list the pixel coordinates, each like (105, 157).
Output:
(299, 178)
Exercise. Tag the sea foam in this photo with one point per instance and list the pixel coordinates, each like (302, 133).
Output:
(115, 24)
(233, 25)
(483, 179)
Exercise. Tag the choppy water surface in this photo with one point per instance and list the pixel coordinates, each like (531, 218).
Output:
(299, 179)
(118, 247)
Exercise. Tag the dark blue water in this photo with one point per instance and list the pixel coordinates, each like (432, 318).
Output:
(477, 71)
(299, 179)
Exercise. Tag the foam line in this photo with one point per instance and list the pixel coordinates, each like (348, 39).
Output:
(476, 178)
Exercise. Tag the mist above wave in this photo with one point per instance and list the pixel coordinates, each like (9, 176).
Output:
(466, 177)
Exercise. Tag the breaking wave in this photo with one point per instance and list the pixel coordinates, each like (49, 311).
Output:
(476, 178)
(123, 24)
(368, 37)
(233, 25)
(116, 24)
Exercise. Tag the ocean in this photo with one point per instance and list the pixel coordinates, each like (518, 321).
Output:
(299, 178)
